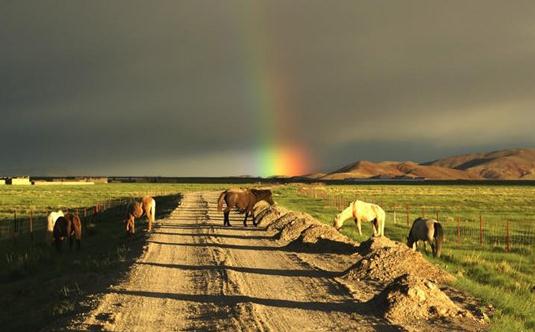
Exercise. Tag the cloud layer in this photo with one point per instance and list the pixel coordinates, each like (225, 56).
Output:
(166, 88)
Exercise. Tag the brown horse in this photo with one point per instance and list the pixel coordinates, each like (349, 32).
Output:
(243, 200)
(67, 226)
(137, 209)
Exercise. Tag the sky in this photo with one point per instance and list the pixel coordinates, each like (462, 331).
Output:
(222, 88)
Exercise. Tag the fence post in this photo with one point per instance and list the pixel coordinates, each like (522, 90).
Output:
(31, 225)
(395, 215)
(407, 210)
(480, 229)
(458, 230)
(507, 238)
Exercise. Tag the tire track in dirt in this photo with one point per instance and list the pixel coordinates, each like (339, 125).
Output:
(198, 275)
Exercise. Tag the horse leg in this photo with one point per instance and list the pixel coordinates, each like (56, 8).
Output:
(359, 226)
(245, 219)
(226, 218)
(254, 221)
(374, 225)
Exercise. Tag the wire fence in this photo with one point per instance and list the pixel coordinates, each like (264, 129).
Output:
(461, 227)
(33, 222)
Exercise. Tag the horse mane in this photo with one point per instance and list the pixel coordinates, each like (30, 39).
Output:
(260, 192)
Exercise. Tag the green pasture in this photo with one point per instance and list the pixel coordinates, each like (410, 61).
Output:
(505, 279)
(34, 275)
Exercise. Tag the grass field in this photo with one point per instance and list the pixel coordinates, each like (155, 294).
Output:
(503, 279)
(54, 284)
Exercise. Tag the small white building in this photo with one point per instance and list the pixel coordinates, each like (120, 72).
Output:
(19, 180)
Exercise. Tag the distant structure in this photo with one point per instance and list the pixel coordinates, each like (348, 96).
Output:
(19, 180)
(2, 182)
(70, 181)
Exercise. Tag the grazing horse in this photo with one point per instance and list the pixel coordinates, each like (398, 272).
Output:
(137, 209)
(243, 200)
(68, 226)
(51, 221)
(361, 211)
(428, 230)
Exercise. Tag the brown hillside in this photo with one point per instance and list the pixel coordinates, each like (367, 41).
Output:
(504, 164)
(393, 170)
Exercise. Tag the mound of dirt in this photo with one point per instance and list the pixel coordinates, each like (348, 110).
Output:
(375, 243)
(294, 228)
(384, 260)
(415, 302)
(265, 216)
(323, 239)
(282, 221)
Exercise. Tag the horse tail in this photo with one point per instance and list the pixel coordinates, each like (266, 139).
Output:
(439, 238)
(77, 226)
(382, 221)
(220, 201)
(153, 210)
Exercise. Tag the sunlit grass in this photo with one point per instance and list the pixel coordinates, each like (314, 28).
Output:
(503, 279)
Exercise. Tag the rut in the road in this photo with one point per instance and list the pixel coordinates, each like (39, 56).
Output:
(197, 274)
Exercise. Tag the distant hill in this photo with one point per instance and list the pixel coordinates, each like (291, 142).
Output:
(508, 164)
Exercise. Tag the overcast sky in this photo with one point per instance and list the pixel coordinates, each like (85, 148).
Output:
(168, 87)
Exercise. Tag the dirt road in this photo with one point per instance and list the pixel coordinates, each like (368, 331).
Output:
(198, 275)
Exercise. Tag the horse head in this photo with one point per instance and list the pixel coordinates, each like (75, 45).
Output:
(263, 194)
(338, 222)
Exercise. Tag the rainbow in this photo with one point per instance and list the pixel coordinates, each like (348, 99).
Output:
(277, 152)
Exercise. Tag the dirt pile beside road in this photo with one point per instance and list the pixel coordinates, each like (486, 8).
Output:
(384, 260)
(418, 304)
(280, 223)
(294, 228)
(322, 238)
(266, 214)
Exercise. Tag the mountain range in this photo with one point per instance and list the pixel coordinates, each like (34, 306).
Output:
(510, 164)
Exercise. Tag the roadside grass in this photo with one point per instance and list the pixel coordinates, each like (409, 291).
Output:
(506, 280)
(41, 287)
(44, 198)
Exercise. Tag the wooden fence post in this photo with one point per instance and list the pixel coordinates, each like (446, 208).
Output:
(31, 225)
(507, 238)
(395, 215)
(407, 210)
(480, 229)
(458, 230)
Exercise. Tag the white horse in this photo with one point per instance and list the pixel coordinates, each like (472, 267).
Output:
(51, 221)
(361, 211)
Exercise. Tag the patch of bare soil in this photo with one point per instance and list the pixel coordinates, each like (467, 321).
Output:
(417, 303)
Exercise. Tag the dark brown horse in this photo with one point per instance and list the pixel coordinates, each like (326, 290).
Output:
(243, 200)
(147, 206)
(69, 226)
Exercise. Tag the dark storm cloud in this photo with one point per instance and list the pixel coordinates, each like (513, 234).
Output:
(165, 87)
